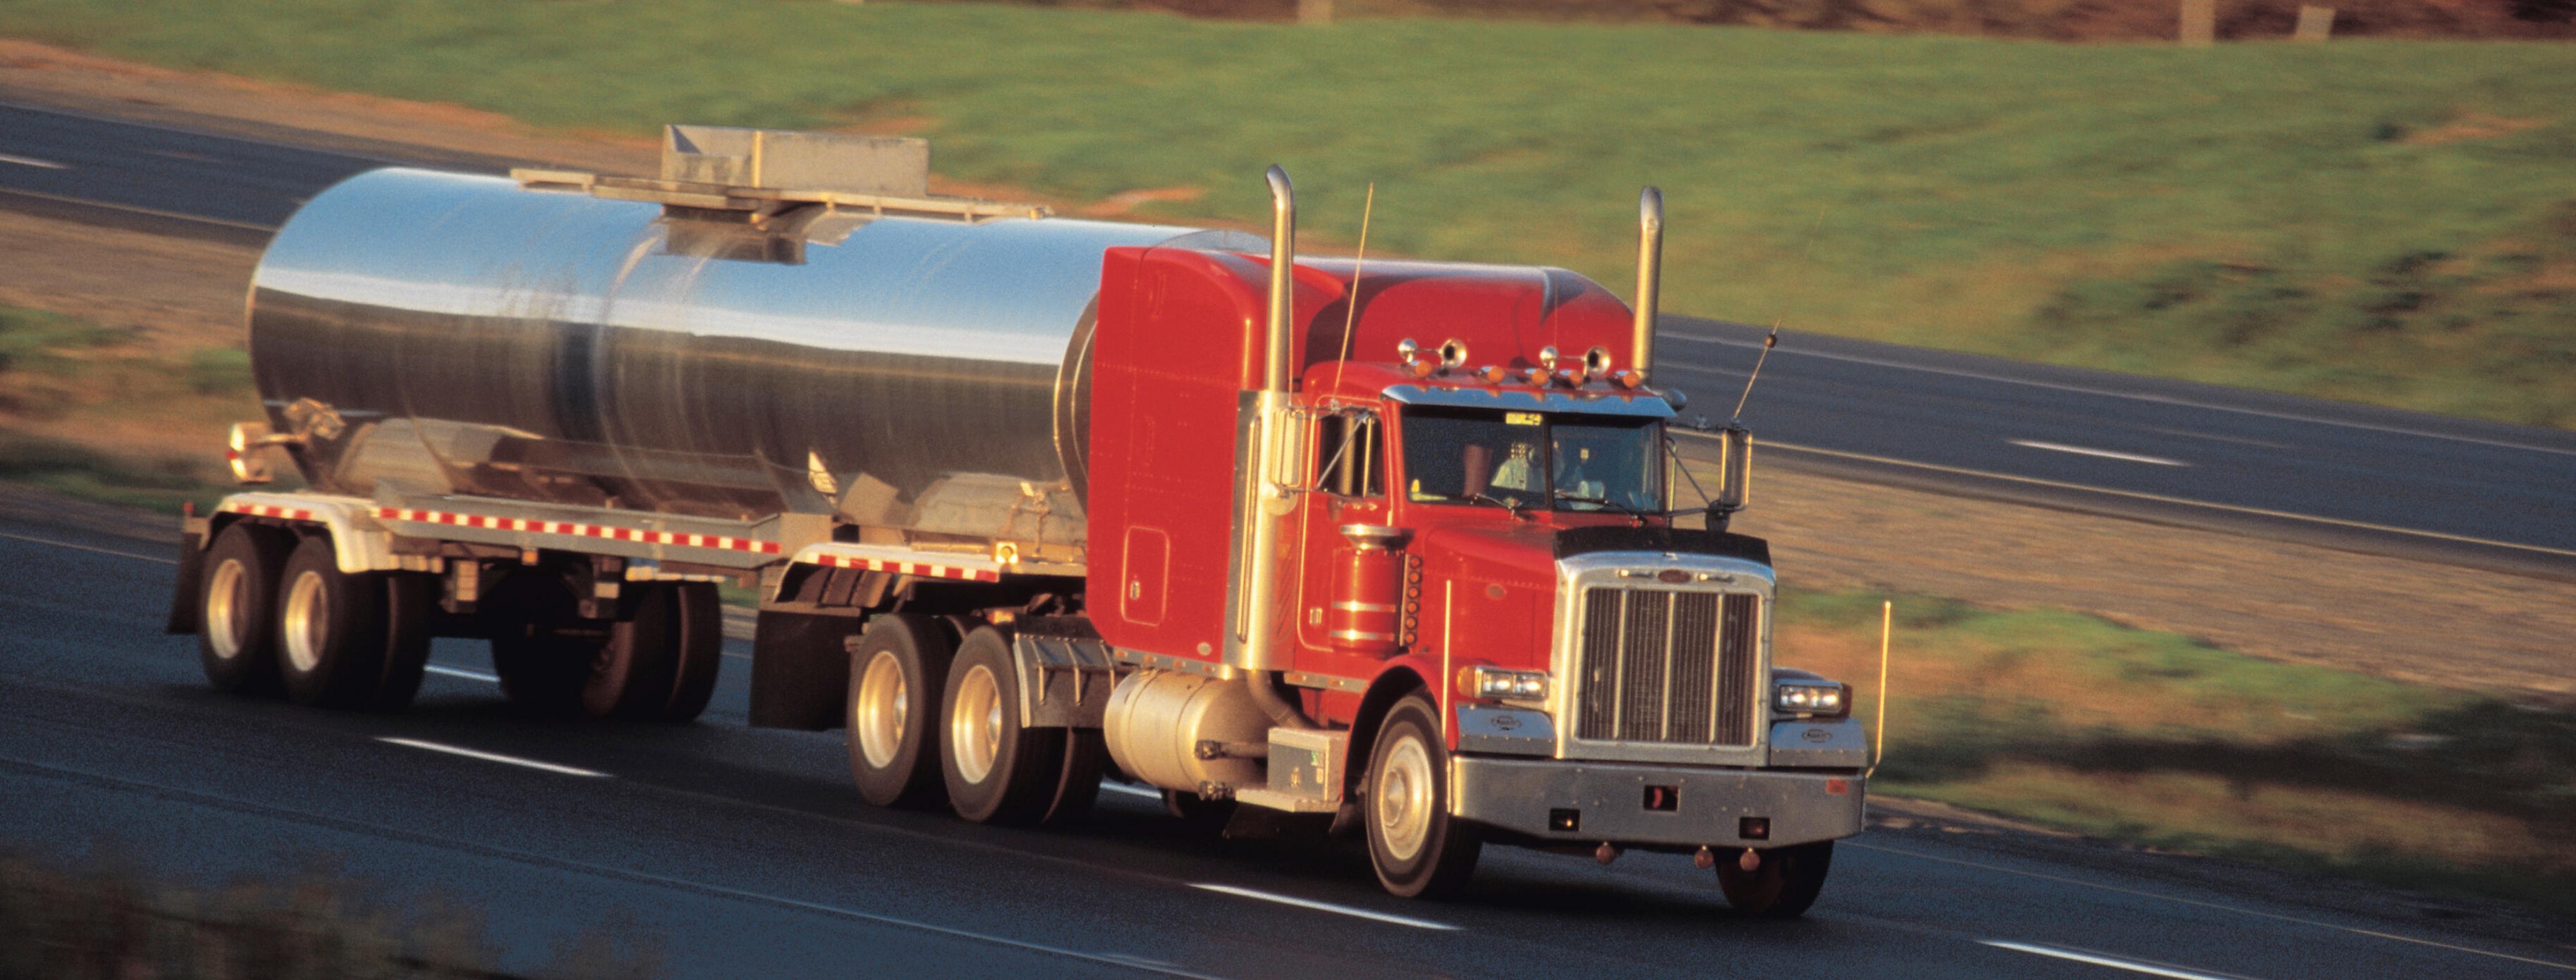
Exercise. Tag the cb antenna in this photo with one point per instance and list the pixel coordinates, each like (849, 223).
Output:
(1767, 343)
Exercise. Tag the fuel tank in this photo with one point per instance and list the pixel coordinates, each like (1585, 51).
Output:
(430, 332)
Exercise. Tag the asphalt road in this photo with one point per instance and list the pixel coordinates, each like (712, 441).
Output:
(745, 852)
(2361, 478)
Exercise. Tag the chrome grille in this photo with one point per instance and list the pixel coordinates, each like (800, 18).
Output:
(1667, 667)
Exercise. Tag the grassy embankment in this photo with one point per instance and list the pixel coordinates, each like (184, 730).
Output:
(2072, 722)
(2380, 221)
(58, 372)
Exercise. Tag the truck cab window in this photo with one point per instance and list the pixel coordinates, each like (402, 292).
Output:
(1531, 460)
(1346, 456)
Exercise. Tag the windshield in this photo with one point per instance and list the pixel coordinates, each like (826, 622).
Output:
(1532, 459)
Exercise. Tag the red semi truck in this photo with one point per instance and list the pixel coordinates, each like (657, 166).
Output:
(1030, 503)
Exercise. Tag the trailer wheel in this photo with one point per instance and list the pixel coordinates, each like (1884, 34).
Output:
(236, 611)
(1416, 846)
(896, 677)
(1783, 885)
(997, 772)
(633, 675)
(331, 629)
(543, 670)
(700, 636)
(410, 601)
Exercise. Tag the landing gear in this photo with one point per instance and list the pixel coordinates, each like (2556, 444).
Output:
(1417, 848)
(1783, 885)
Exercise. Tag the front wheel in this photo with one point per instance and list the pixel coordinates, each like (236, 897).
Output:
(1783, 885)
(1416, 846)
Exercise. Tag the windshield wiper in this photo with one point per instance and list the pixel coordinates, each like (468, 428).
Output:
(1605, 502)
(1479, 498)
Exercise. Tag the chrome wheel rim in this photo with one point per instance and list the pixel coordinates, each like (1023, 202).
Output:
(877, 716)
(1402, 799)
(223, 609)
(304, 616)
(975, 723)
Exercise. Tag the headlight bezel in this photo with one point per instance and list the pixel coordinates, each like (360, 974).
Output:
(1484, 682)
(1811, 698)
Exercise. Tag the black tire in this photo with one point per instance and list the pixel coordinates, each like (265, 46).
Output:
(237, 608)
(700, 634)
(996, 771)
(1783, 886)
(1419, 850)
(410, 602)
(633, 675)
(543, 669)
(897, 677)
(1077, 790)
(331, 629)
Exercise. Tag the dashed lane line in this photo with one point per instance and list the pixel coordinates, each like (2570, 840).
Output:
(2060, 447)
(2114, 962)
(471, 675)
(1307, 903)
(492, 757)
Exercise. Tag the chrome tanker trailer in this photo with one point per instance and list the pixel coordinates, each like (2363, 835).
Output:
(1029, 502)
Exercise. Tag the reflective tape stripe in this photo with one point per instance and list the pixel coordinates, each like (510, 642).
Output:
(909, 568)
(268, 510)
(568, 529)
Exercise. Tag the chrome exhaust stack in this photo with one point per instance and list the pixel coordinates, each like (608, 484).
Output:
(1650, 271)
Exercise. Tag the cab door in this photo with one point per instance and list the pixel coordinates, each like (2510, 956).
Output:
(1348, 488)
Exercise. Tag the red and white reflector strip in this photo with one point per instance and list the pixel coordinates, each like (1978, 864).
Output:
(906, 567)
(571, 529)
(268, 510)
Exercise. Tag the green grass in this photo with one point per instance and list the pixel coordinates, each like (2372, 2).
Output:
(2074, 722)
(2384, 221)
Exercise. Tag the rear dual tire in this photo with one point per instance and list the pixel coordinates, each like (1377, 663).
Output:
(659, 665)
(349, 641)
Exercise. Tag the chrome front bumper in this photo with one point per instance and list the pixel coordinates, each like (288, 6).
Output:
(1635, 803)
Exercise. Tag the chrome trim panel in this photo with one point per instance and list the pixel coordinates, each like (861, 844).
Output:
(1522, 399)
(1834, 743)
(481, 338)
(1637, 572)
(1505, 731)
(1518, 794)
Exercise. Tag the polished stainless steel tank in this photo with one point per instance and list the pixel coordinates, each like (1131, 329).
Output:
(443, 333)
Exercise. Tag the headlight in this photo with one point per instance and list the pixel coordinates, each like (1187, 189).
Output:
(1497, 684)
(1828, 700)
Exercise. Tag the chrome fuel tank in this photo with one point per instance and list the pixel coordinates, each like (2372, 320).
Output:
(446, 333)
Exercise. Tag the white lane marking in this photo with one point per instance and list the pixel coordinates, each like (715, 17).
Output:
(2159, 498)
(2104, 453)
(1327, 907)
(1151, 794)
(2060, 879)
(83, 547)
(2158, 399)
(2098, 959)
(490, 757)
(471, 675)
(32, 162)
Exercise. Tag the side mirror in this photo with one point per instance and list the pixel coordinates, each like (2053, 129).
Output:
(1735, 475)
